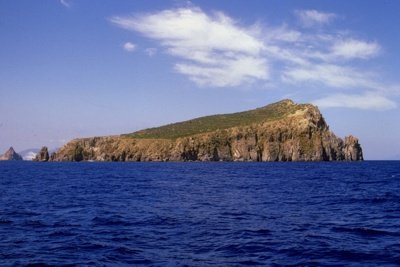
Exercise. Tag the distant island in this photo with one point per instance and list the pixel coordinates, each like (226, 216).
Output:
(282, 131)
(10, 154)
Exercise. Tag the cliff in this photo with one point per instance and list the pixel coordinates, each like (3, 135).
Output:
(10, 155)
(42, 155)
(283, 131)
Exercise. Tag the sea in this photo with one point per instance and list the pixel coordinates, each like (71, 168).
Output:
(200, 214)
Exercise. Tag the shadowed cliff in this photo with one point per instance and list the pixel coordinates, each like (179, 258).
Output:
(283, 131)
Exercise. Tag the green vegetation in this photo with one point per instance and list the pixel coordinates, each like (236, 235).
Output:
(217, 122)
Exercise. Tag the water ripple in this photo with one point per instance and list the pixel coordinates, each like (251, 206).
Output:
(199, 214)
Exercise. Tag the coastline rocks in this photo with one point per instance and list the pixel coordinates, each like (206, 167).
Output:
(352, 149)
(302, 135)
(10, 155)
(43, 155)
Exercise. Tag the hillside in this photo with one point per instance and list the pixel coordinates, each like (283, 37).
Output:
(219, 122)
(283, 131)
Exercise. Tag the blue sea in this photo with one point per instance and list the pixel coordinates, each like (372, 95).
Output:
(200, 214)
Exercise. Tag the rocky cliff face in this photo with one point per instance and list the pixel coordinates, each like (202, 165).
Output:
(10, 155)
(300, 135)
(43, 155)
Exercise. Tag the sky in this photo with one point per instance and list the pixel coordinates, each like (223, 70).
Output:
(71, 69)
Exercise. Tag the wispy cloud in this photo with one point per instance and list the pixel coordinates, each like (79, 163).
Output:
(352, 48)
(227, 72)
(65, 3)
(151, 51)
(314, 17)
(329, 75)
(368, 100)
(130, 47)
(214, 50)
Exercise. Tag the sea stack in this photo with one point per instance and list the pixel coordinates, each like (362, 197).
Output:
(43, 155)
(10, 155)
(283, 131)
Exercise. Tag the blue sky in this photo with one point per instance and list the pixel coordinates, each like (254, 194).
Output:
(74, 68)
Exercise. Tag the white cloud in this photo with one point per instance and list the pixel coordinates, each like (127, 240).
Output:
(369, 100)
(329, 50)
(215, 50)
(29, 155)
(65, 3)
(352, 48)
(212, 47)
(233, 73)
(130, 47)
(151, 51)
(313, 17)
(282, 33)
(330, 75)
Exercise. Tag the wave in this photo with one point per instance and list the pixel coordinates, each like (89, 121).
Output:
(365, 231)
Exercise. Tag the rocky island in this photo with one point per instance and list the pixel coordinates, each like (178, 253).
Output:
(283, 131)
(10, 155)
(42, 155)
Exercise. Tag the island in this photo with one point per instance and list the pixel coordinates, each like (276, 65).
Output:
(42, 155)
(282, 131)
(10, 154)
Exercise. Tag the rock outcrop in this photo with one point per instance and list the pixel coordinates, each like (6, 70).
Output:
(10, 155)
(43, 155)
(352, 149)
(297, 133)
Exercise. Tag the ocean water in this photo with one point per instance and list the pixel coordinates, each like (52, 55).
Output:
(200, 214)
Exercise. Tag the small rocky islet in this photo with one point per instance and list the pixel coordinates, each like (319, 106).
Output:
(42, 155)
(10, 154)
(282, 131)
